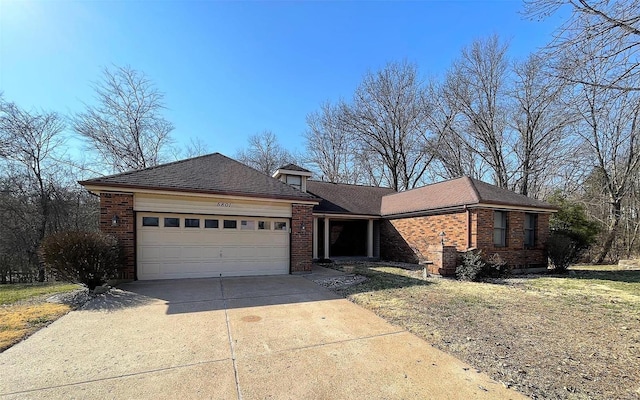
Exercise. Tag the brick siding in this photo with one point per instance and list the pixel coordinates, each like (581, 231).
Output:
(417, 239)
(514, 253)
(120, 204)
(301, 239)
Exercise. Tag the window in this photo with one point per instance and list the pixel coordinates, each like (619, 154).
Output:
(192, 222)
(230, 224)
(294, 181)
(280, 226)
(172, 222)
(211, 224)
(500, 228)
(248, 225)
(264, 225)
(530, 228)
(150, 221)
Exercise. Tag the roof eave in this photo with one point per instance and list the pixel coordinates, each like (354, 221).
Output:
(345, 215)
(463, 207)
(95, 186)
(511, 206)
(421, 213)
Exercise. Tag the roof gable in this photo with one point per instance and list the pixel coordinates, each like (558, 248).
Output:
(212, 173)
(455, 193)
(293, 167)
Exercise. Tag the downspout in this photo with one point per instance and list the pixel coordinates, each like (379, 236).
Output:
(466, 210)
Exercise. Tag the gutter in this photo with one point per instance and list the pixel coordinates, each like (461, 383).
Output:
(93, 186)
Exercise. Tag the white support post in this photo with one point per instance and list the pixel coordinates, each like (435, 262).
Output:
(370, 238)
(326, 238)
(315, 238)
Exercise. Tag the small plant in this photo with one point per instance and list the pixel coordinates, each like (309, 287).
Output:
(496, 267)
(471, 266)
(89, 258)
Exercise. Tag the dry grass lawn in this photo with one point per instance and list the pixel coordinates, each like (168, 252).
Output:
(575, 336)
(23, 310)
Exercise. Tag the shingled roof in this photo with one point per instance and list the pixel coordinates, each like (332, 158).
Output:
(293, 167)
(454, 193)
(339, 198)
(212, 173)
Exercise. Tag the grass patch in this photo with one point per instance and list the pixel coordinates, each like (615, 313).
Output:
(608, 283)
(13, 293)
(573, 336)
(20, 321)
(23, 309)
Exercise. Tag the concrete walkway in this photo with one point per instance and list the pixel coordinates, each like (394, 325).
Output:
(234, 338)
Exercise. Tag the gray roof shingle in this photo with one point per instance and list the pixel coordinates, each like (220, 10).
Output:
(212, 173)
(293, 167)
(458, 192)
(339, 198)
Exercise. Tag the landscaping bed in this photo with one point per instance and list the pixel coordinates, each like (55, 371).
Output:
(575, 336)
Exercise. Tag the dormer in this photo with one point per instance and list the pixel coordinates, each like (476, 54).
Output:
(293, 175)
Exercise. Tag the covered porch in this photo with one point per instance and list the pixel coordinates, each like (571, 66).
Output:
(345, 236)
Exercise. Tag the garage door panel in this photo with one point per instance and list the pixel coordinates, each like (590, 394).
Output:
(171, 253)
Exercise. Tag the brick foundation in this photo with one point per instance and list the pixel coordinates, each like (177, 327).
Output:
(121, 205)
(301, 238)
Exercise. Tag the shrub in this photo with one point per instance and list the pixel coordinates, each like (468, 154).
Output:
(572, 232)
(496, 267)
(89, 258)
(564, 248)
(471, 266)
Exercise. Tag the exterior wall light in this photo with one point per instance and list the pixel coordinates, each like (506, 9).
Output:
(442, 235)
(115, 220)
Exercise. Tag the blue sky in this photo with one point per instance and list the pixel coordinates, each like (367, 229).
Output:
(233, 69)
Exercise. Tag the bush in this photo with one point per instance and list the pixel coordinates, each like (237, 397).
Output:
(89, 258)
(496, 267)
(572, 232)
(564, 248)
(471, 266)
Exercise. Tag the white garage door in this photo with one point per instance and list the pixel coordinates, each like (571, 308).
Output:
(171, 246)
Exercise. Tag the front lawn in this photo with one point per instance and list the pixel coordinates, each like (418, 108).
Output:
(575, 336)
(23, 309)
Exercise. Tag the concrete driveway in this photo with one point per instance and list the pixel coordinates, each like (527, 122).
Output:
(234, 338)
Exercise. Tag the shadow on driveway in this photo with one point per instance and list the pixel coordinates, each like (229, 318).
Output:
(210, 294)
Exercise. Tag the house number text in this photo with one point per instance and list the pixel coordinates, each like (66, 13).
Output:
(220, 204)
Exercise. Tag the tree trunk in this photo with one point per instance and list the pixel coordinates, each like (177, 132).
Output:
(612, 232)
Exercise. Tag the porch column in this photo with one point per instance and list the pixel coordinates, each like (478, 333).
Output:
(315, 238)
(326, 238)
(370, 238)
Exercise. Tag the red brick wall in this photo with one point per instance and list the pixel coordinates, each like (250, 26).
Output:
(120, 204)
(515, 253)
(301, 239)
(417, 239)
(393, 247)
(409, 239)
(444, 260)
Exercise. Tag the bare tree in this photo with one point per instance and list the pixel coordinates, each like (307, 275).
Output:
(125, 127)
(541, 121)
(606, 29)
(388, 118)
(610, 128)
(455, 154)
(477, 85)
(330, 147)
(31, 140)
(265, 153)
(196, 147)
